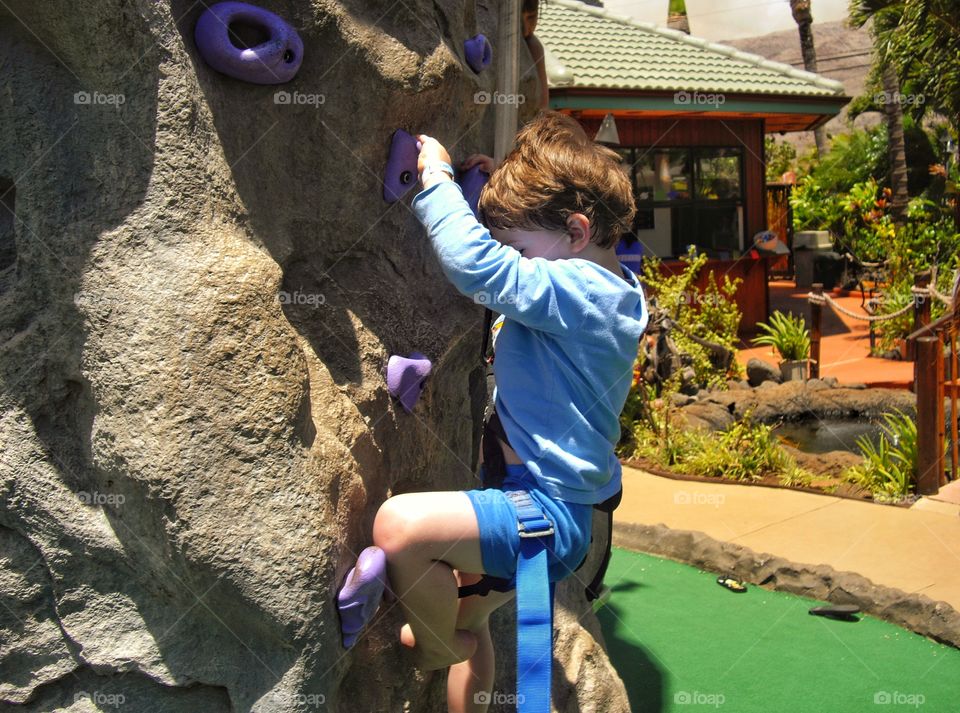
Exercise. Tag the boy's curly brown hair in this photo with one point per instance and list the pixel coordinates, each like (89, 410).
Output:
(555, 171)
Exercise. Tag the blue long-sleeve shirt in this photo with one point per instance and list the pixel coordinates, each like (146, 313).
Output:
(565, 353)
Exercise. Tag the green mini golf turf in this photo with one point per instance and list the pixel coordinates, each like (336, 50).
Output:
(683, 643)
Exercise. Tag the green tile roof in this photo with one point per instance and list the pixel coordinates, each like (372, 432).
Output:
(607, 51)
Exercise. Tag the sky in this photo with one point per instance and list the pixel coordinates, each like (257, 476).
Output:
(729, 19)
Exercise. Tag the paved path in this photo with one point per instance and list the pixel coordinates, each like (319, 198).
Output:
(845, 346)
(915, 549)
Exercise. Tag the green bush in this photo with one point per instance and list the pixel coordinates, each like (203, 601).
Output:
(711, 314)
(780, 157)
(786, 333)
(889, 467)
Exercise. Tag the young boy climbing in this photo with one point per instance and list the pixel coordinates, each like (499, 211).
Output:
(554, 211)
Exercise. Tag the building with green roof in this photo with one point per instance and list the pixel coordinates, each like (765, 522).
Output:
(690, 118)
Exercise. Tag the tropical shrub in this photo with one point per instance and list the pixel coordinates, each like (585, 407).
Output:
(786, 333)
(889, 467)
(711, 314)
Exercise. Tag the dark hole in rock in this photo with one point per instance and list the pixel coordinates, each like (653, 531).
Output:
(244, 35)
(8, 244)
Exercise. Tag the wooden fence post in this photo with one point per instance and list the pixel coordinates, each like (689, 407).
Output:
(816, 323)
(921, 312)
(929, 402)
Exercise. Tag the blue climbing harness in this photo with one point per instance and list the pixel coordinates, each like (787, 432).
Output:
(534, 606)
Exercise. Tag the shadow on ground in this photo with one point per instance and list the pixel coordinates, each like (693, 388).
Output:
(636, 666)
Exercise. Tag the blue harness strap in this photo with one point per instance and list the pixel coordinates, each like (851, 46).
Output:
(534, 606)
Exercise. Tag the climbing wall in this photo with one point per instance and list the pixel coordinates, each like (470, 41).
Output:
(200, 285)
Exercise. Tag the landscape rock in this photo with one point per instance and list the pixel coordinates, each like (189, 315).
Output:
(759, 371)
(798, 401)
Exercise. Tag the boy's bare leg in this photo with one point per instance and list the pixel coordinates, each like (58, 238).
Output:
(470, 683)
(425, 536)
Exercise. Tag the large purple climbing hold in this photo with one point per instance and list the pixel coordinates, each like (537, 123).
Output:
(405, 377)
(359, 598)
(472, 183)
(275, 60)
(478, 52)
(401, 173)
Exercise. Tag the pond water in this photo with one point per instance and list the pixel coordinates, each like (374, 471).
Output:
(820, 436)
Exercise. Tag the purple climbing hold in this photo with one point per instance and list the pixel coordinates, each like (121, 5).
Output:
(401, 172)
(479, 53)
(359, 598)
(405, 377)
(472, 183)
(275, 60)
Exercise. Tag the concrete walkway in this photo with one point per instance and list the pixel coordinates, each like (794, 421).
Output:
(915, 549)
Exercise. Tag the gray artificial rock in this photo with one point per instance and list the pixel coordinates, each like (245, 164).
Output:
(195, 434)
(759, 372)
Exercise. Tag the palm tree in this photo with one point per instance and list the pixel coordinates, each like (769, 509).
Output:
(677, 16)
(803, 16)
(896, 148)
(919, 40)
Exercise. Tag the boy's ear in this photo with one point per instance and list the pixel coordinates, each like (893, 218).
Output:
(578, 227)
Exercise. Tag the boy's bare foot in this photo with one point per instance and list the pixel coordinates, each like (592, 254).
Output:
(464, 646)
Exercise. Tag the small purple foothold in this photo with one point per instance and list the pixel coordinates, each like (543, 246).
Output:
(274, 61)
(479, 53)
(472, 183)
(405, 377)
(359, 598)
(401, 172)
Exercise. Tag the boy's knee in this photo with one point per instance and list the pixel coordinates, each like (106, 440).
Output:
(391, 526)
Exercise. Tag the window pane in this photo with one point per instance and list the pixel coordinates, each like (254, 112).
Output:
(719, 174)
(663, 175)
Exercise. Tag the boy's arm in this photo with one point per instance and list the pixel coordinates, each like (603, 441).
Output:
(493, 274)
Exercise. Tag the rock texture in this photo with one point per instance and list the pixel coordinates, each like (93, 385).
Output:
(771, 402)
(199, 288)
(759, 371)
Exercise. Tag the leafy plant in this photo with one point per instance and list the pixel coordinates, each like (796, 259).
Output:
(889, 467)
(780, 157)
(710, 314)
(786, 333)
(745, 451)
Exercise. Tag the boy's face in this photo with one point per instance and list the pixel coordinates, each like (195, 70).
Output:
(548, 244)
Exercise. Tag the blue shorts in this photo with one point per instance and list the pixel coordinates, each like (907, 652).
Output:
(500, 541)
